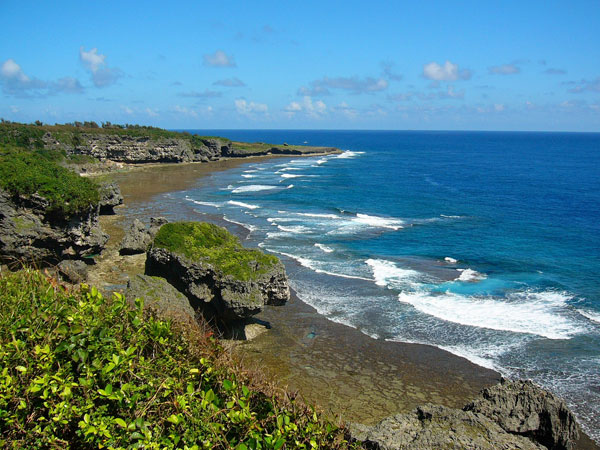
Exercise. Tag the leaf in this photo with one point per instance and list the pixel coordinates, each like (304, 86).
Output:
(279, 443)
(120, 422)
(21, 369)
(174, 419)
(227, 385)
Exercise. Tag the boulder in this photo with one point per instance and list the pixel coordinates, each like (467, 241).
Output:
(138, 237)
(219, 296)
(29, 234)
(110, 196)
(160, 296)
(521, 407)
(435, 427)
(73, 271)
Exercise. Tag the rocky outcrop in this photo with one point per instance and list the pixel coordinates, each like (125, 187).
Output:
(73, 271)
(29, 234)
(160, 296)
(110, 196)
(138, 237)
(521, 407)
(510, 415)
(218, 296)
(434, 427)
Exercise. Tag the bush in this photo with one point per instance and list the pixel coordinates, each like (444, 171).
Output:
(216, 246)
(82, 371)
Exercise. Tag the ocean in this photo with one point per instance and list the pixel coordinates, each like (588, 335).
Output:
(485, 244)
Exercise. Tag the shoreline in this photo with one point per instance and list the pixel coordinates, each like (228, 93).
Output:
(347, 373)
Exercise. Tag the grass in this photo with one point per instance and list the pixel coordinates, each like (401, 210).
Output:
(216, 246)
(24, 173)
(82, 371)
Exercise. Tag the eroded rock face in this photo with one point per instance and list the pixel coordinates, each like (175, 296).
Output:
(138, 237)
(438, 427)
(523, 408)
(27, 234)
(216, 295)
(73, 271)
(110, 196)
(510, 415)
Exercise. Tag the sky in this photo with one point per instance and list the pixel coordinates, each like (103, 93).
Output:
(394, 65)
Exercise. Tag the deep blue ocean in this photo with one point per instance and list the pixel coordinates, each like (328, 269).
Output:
(485, 244)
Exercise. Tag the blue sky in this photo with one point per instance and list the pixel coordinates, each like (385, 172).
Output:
(480, 65)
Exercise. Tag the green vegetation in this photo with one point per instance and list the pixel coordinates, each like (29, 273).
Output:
(82, 371)
(216, 246)
(26, 173)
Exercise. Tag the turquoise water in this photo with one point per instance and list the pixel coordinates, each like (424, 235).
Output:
(483, 244)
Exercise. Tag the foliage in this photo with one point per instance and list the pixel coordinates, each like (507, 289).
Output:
(82, 371)
(215, 245)
(25, 173)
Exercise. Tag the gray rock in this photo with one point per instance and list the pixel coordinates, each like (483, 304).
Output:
(523, 408)
(216, 295)
(138, 237)
(29, 234)
(73, 271)
(110, 196)
(160, 296)
(435, 427)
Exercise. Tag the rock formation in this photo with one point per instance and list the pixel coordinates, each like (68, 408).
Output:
(110, 196)
(510, 415)
(27, 233)
(138, 237)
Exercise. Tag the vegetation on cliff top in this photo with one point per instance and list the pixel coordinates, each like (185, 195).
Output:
(24, 173)
(82, 371)
(216, 246)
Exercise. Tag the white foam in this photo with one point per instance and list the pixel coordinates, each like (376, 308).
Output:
(248, 176)
(198, 202)
(450, 217)
(290, 186)
(470, 275)
(291, 175)
(297, 229)
(242, 204)
(379, 222)
(285, 169)
(388, 274)
(539, 313)
(251, 171)
(593, 316)
(322, 216)
(349, 154)
(450, 260)
(469, 354)
(248, 227)
(324, 248)
(253, 188)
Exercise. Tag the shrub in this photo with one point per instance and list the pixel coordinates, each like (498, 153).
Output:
(82, 371)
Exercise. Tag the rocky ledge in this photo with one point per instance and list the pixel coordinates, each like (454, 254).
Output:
(221, 279)
(510, 415)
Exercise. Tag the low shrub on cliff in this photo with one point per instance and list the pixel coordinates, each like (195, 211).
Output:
(25, 173)
(215, 245)
(82, 371)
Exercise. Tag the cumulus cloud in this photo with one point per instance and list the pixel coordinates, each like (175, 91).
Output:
(17, 83)
(95, 63)
(250, 108)
(504, 69)
(446, 72)
(201, 95)
(230, 82)
(185, 111)
(68, 85)
(354, 85)
(585, 86)
(309, 107)
(219, 59)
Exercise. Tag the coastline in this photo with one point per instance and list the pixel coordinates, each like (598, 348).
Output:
(345, 372)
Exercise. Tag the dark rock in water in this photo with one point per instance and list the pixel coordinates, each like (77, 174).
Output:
(218, 296)
(521, 407)
(435, 427)
(110, 196)
(73, 271)
(159, 295)
(29, 234)
(138, 237)
(510, 415)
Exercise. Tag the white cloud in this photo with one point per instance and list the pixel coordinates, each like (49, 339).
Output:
(151, 112)
(102, 75)
(10, 70)
(452, 94)
(230, 82)
(447, 72)
(183, 110)
(354, 85)
(311, 108)
(127, 110)
(249, 108)
(219, 59)
(585, 85)
(15, 82)
(505, 69)
(68, 85)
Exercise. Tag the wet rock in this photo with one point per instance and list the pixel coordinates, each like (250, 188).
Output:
(110, 196)
(219, 296)
(521, 407)
(438, 427)
(159, 295)
(73, 271)
(29, 234)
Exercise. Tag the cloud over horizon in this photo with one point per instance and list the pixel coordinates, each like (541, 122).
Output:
(353, 85)
(447, 72)
(101, 74)
(218, 59)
